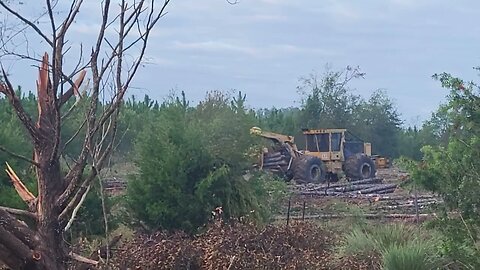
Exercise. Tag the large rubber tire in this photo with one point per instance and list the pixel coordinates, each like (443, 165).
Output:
(309, 169)
(359, 166)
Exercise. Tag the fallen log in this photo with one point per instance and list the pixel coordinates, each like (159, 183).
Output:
(353, 187)
(272, 155)
(273, 159)
(273, 164)
(401, 197)
(336, 185)
(386, 191)
(321, 193)
(388, 207)
(377, 188)
(367, 216)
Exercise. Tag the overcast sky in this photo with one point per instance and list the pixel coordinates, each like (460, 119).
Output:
(262, 47)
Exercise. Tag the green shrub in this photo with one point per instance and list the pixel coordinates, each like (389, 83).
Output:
(391, 235)
(400, 246)
(414, 255)
(358, 242)
(192, 161)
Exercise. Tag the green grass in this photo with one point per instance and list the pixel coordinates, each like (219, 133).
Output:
(400, 246)
(413, 255)
(358, 242)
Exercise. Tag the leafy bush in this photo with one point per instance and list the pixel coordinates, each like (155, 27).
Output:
(451, 169)
(192, 161)
(13, 138)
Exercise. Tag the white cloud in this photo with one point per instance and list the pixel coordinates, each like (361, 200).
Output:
(215, 47)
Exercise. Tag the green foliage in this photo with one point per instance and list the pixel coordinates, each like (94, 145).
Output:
(90, 220)
(327, 102)
(412, 256)
(400, 246)
(12, 137)
(358, 242)
(194, 160)
(458, 243)
(284, 121)
(378, 122)
(451, 168)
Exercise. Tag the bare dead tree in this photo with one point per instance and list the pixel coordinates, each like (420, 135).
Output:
(34, 238)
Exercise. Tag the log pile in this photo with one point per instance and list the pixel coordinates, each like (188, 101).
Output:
(368, 198)
(365, 186)
(114, 186)
(276, 162)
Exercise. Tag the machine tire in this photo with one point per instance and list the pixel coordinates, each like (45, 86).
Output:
(309, 169)
(359, 166)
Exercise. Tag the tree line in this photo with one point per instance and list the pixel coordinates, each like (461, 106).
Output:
(189, 153)
(195, 161)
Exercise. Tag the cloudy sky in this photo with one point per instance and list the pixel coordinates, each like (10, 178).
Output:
(262, 47)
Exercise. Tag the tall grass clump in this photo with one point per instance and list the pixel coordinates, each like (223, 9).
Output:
(398, 246)
(414, 255)
(387, 236)
(358, 242)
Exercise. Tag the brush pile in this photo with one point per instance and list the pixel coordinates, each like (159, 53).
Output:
(234, 246)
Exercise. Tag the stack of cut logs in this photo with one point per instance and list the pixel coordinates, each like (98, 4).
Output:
(275, 162)
(365, 186)
(114, 186)
(376, 199)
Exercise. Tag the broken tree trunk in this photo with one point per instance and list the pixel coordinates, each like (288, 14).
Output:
(38, 243)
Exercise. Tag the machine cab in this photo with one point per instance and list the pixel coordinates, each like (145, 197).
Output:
(327, 144)
(334, 144)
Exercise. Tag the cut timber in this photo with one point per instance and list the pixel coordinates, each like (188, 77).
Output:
(273, 164)
(354, 187)
(273, 159)
(378, 188)
(367, 216)
(364, 181)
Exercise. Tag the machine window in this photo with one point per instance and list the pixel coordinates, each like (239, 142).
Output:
(311, 143)
(324, 142)
(336, 141)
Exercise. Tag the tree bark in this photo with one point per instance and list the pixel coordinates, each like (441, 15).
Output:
(39, 244)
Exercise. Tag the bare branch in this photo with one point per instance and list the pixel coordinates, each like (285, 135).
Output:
(74, 9)
(26, 120)
(74, 135)
(74, 89)
(75, 200)
(75, 210)
(82, 259)
(31, 24)
(19, 212)
(18, 156)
